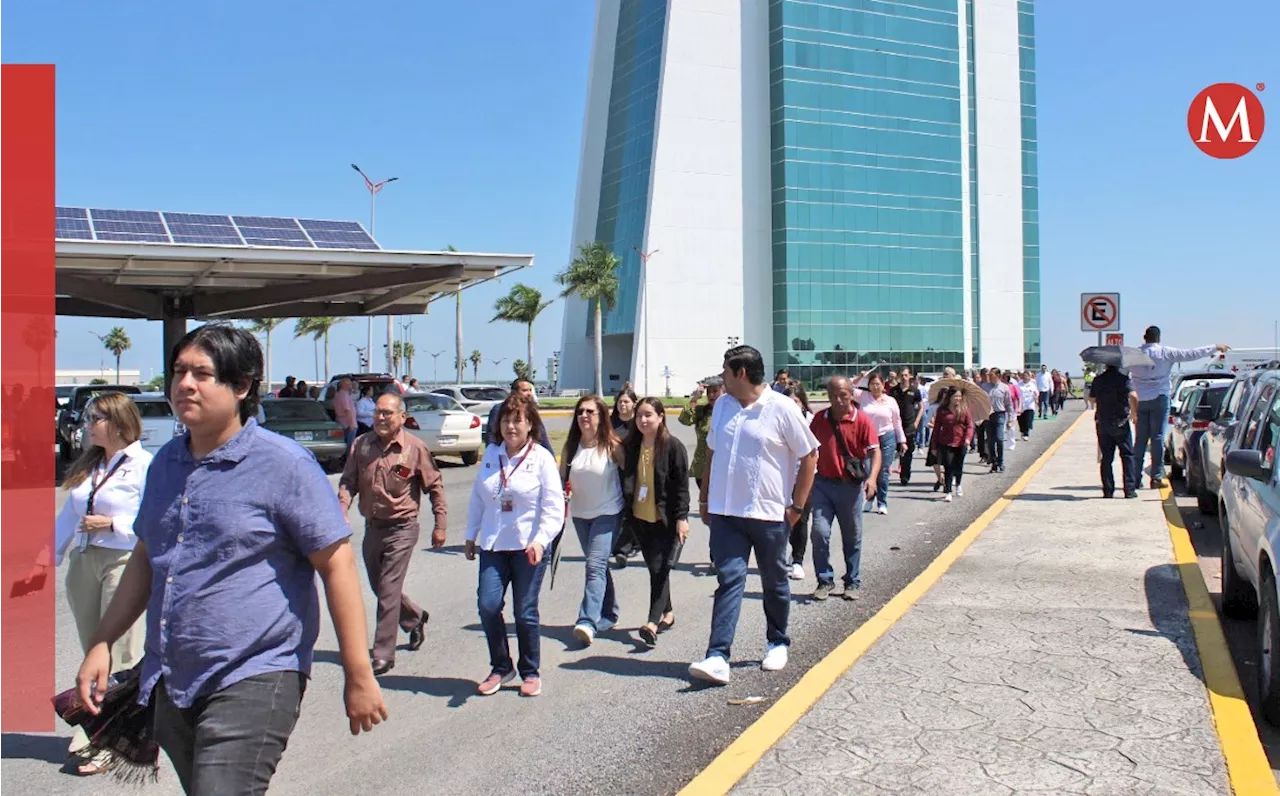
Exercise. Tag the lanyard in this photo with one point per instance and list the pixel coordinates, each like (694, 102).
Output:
(515, 464)
(96, 484)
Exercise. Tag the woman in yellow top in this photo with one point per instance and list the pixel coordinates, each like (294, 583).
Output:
(655, 489)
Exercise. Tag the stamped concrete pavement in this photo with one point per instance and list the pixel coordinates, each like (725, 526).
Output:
(1055, 656)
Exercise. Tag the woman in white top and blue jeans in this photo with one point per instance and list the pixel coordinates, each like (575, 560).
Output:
(883, 411)
(589, 467)
(517, 509)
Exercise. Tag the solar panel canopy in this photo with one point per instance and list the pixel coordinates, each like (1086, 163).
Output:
(150, 226)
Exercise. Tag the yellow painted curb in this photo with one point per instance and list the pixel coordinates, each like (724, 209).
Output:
(737, 760)
(1248, 770)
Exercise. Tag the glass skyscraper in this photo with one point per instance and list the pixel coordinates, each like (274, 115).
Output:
(836, 183)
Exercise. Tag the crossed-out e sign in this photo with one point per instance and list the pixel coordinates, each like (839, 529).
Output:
(1099, 312)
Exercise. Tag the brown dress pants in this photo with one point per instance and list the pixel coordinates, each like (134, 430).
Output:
(388, 546)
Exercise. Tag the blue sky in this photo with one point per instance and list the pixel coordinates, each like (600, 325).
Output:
(258, 108)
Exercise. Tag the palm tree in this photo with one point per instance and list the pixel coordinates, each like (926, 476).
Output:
(264, 327)
(457, 322)
(318, 327)
(117, 342)
(522, 305)
(593, 277)
(397, 354)
(476, 358)
(408, 357)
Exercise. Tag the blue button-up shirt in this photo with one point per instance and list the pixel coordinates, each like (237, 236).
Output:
(233, 593)
(1152, 381)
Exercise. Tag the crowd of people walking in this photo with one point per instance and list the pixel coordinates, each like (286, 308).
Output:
(771, 474)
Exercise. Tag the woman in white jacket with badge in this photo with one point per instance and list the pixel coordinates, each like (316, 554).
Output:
(517, 508)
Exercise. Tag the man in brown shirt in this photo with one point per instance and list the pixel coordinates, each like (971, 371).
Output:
(389, 470)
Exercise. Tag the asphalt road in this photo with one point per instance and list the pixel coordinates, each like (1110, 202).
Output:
(614, 718)
(1242, 635)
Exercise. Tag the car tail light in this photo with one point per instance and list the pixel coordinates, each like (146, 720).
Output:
(412, 423)
(1200, 424)
(336, 433)
(475, 421)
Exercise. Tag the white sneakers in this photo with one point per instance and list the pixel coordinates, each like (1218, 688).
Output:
(715, 670)
(959, 491)
(584, 633)
(946, 497)
(797, 571)
(775, 659)
(882, 508)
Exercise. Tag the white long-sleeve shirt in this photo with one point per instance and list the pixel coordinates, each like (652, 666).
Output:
(537, 498)
(118, 497)
(1030, 394)
(1152, 381)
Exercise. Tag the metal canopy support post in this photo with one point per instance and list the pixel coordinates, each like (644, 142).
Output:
(175, 328)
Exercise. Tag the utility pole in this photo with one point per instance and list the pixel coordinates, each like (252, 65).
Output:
(374, 188)
(435, 366)
(644, 296)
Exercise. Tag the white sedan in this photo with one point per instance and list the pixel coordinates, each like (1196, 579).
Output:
(444, 426)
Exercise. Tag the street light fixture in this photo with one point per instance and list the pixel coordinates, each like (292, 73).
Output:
(435, 365)
(374, 188)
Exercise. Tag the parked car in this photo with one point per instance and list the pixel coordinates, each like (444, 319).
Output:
(1250, 520)
(1184, 383)
(1192, 421)
(381, 382)
(159, 425)
(444, 426)
(70, 419)
(305, 421)
(1216, 440)
(478, 398)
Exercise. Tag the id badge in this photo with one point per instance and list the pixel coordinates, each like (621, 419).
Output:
(643, 495)
(505, 501)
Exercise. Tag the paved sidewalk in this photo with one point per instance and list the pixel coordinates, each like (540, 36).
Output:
(1056, 656)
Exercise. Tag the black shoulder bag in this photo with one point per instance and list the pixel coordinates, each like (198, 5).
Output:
(854, 469)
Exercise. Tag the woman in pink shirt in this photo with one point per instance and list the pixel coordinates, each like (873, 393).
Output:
(884, 414)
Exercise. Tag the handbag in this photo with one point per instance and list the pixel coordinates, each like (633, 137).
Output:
(123, 728)
(854, 469)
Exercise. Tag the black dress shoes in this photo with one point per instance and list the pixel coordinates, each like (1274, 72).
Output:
(381, 667)
(418, 635)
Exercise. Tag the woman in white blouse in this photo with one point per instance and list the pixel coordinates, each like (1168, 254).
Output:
(517, 508)
(96, 524)
(589, 467)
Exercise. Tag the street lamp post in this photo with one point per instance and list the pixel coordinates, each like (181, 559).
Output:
(374, 188)
(102, 359)
(406, 336)
(435, 365)
(644, 287)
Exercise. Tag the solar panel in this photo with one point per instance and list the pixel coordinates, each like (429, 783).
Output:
(149, 226)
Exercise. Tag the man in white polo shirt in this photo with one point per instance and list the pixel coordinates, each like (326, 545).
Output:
(759, 470)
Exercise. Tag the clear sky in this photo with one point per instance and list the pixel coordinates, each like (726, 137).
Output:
(259, 107)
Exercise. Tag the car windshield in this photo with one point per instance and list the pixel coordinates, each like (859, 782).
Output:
(484, 393)
(288, 411)
(427, 402)
(159, 408)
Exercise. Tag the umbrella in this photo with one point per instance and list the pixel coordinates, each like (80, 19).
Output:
(975, 400)
(1122, 356)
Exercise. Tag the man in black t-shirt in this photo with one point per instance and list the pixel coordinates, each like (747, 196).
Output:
(1116, 401)
(911, 407)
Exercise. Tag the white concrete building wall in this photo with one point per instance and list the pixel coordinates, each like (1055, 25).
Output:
(695, 218)
(577, 352)
(757, 183)
(998, 97)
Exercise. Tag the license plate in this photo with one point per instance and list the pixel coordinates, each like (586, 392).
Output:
(304, 436)
(448, 440)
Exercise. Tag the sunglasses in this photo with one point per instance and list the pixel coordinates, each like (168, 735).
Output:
(582, 412)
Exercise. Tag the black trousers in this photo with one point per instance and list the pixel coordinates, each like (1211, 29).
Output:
(980, 440)
(661, 548)
(904, 461)
(952, 459)
(1114, 437)
(800, 536)
(1025, 421)
(625, 543)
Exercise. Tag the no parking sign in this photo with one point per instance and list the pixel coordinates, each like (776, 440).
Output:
(1099, 312)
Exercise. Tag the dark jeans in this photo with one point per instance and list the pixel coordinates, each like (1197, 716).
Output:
(388, 546)
(229, 743)
(837, 501)
(904, 463)
(660, 548)
(980, 440)
(1045, 399)
(799, 536)
(732, 540)
(1026, 420)
(995, 438)
(952, 459)
(625, 543)
(1112, 437)
(1153, 419)
(498, 570)
(888, 450)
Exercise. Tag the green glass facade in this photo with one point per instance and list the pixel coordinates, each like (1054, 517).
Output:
(628, 155)
(1030, 185)
(868, 227)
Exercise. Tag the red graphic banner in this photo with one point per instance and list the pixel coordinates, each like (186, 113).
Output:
(28, 403)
